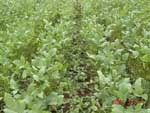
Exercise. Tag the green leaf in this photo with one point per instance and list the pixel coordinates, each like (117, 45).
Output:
(120, 94)
(125, 86)
(36, 77)
(145, 58)
(138, 107)
(144, 96)
(138, 90)
(94, 108)
(102, 78)
(53, 51)
(9, 101)
(9, 111)
(13, 84)
(117, 109)
(54, 99)
(20, 107)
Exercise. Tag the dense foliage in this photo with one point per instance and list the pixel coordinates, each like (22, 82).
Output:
(75, 56)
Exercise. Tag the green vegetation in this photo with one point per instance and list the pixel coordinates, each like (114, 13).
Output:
(74, 56)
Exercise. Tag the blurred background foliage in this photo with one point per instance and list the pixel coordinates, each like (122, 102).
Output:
(73, 56)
